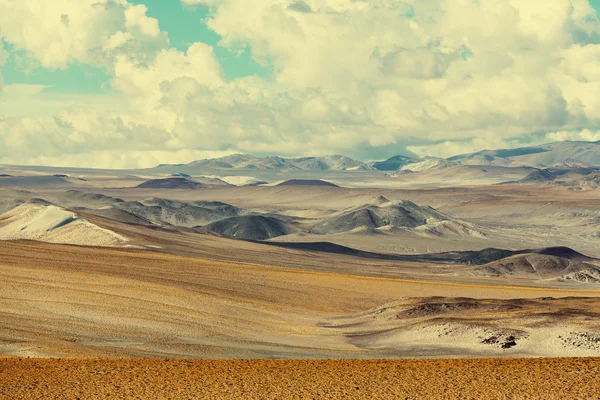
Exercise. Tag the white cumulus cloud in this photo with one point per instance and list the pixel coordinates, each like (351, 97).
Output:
(437, 77)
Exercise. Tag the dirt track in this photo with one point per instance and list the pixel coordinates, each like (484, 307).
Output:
(260, 379)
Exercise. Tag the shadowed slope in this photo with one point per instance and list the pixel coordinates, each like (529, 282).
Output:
(249, 227)
(171, 183)
(306, 182)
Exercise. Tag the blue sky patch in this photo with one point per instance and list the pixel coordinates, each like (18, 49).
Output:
(185, 26)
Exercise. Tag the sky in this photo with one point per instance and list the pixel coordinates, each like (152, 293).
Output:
(136, 83)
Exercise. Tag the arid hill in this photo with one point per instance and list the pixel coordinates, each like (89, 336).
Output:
(249, 227)
(179, 213)
(539, 266)
(307, 182)
(49, 223)
(171, 183)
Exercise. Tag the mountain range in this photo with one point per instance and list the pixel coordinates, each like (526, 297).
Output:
(570, 154)
(547, 155)
(243, 161)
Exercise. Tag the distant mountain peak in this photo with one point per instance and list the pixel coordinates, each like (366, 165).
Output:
(542, 156)
(394, 163)
(559, 154)
(243, 161)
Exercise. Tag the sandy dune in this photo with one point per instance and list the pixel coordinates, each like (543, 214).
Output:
(48, 223)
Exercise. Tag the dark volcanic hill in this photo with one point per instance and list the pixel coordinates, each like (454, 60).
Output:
(536, 266)
(34, 181)
(477, 257)
(485, 256)
(394, 163)
(76, 198)
(171, 183)
(541, 175)
(307, 182)
(249, 227)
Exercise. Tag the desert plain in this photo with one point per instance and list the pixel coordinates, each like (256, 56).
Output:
(486, 284)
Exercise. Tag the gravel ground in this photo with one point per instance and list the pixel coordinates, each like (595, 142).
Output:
(567, 378)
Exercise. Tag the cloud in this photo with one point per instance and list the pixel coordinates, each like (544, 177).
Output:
(435, 77)
(22, 100)
(3, 59)
(152, 86)
(446, 69)
(117, 159)
(419, 63)
(583, 135)
(202, 2)
(59, 32)
(300, 6)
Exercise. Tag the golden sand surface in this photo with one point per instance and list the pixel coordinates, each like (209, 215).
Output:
(567, 378)
(70, 301)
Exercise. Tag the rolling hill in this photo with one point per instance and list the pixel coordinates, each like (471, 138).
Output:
(384, 216)
(306, 182)
(548, 155)
(247, 162)
(541, 266)
(249, 227)
(179, 213)
(394, 163)
(49, 223)
(577, 178)
(171, 183)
